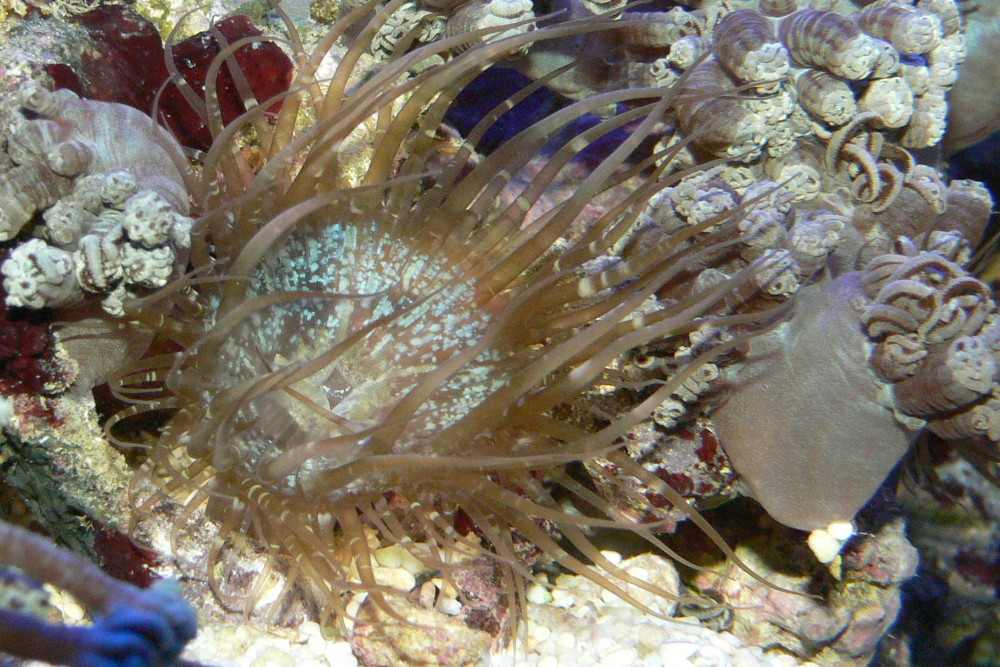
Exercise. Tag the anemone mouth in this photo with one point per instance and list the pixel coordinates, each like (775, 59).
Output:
(375, 315)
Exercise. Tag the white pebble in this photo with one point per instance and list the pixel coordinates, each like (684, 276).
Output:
(539, 633)
(612, 600)
(450, 606)
(562, 598)
(394, 577)
(712, 655)
(670, 652)
(340, 654)
(272, 656)
(538, 594)
(613, 556)
(311, 663)
(727, 640)
(603, 645)
(623, 657)
(396, 555)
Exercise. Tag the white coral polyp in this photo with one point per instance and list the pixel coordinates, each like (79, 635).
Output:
(768, 63)
(857, 60)
(37, 275)
(777, 272)
(891, 99)
(510, 9)
(147, 268)
(749, 137)
(148, 219)
(117, 186)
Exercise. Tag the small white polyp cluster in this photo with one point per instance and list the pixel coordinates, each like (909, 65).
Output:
(103, 179)
(826, 543)
(107, 239)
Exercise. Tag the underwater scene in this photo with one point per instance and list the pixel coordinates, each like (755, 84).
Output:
(499, 333)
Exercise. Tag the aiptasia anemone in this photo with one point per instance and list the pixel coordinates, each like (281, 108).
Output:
(348, 336)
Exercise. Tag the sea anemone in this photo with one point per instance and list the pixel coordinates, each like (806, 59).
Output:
(377, 343)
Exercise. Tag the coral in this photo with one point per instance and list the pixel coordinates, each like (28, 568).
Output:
(134, 627)
(476, 15)
(974, 99)
(394, 31)
(949, 616)
(749, 50)
(792, 77)
(119, 37)
(103, 178)
(576, 623)
(22, 594)
(92, 53)
(688, 458)
(823, 333)
(381, 640)
(123, 559)
(924, 330)
(706, 103)
(856, 197)
(63, 471)
(94, 241)
(831, 41)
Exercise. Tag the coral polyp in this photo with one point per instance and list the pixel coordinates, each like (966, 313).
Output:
(383, 334)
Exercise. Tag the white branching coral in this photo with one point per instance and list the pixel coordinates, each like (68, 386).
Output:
(112, 204)
(825, 96)
(477, 15)
(748, 48)
(409, 19)
(831, 41)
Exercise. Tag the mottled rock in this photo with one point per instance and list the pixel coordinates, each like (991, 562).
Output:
(419, 637)
(846, 624)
